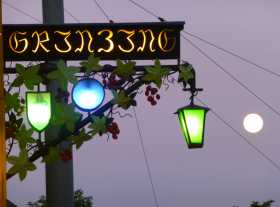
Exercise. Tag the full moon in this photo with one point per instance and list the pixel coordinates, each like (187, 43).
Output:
(253, 123)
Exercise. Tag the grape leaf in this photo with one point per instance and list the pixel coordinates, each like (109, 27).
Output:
(64, 114)
(185, 73)
(52, 156)
(63, 74)
(80, 138)
(21, 164)
(125, 70)
(121, 99)
(24, 136)
(92, 64)
(98, 125)
(12, 101)
(155, 73)
(29, 77)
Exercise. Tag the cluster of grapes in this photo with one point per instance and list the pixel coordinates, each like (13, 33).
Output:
(114, 130)
(110, 82)
(152, 95)
(66, 155)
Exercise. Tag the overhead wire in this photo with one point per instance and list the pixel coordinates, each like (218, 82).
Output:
(21, 11)
(34, 18)
(265, 69)
(103, 11)
(232, 77)
(220, 118)
(71, 15)
(264, 155)
(155, 197)
(146, 158)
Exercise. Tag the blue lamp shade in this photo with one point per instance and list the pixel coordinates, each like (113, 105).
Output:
(88, 94)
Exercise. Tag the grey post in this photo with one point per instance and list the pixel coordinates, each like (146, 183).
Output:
(59, 176)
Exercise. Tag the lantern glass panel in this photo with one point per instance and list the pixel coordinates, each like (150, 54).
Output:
(38, 109)
(192, 122)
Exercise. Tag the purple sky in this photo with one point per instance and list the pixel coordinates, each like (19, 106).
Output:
(227, 171)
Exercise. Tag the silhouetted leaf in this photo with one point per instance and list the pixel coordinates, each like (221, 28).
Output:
(124, 70)
(64, 74)
(21, 164)
(28, 77)
(92, 64)
(155, 73)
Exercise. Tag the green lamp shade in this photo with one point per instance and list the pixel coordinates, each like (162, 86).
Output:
(192, 122)
(38, 109)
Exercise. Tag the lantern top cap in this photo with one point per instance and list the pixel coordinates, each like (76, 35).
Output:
(192, 106)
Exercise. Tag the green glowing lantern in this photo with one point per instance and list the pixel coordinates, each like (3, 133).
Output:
(192, 122)
(38, 109)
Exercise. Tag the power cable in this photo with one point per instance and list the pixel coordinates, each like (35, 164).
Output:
(21, 11)
(219, 117)
(103, 11)
(266, 157)
(212, 60)
(146, 158)
(34, 18)
(233, 54)
(147, 10)
(232, 76)
(246, 60)
(71, 15)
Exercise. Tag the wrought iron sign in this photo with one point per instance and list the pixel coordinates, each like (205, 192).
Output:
(108, 41)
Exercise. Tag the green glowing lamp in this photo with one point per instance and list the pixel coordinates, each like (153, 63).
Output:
(38, 109)
(192, 122)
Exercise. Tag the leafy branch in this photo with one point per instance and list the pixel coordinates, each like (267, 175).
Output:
(124, 82)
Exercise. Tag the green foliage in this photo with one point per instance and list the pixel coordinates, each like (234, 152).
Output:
(91, 65)
(52, 156)
(98, 125)
(155, 73)
(79, 198)
(21, 164)
(82, 137)
(185, 73)
(28, 77)
(121, 99)
(64, 74)
(64, 114)
(12, 102)
(264, 204)
(125, 70)
(24, 137)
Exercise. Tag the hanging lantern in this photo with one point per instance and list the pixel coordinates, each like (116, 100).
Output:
(88, 94)
(38, 109)
(192, 122)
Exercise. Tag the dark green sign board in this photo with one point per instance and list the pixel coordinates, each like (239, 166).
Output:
(137, 41)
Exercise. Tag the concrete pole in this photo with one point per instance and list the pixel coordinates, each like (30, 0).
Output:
(59, 176)
(3, 190)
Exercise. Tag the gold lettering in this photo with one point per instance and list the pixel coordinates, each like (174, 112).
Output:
(40, 42)
(81, 48)
(66, 35)
(130, 34)
(166, 39)
(109, 39)
(152, 49)
(13, 38)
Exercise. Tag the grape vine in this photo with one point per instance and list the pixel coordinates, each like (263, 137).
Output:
(123, 81)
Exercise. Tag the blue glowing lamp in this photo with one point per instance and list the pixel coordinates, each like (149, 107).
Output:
(88, 94)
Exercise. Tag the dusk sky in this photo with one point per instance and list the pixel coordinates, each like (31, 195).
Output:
(227, 171)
